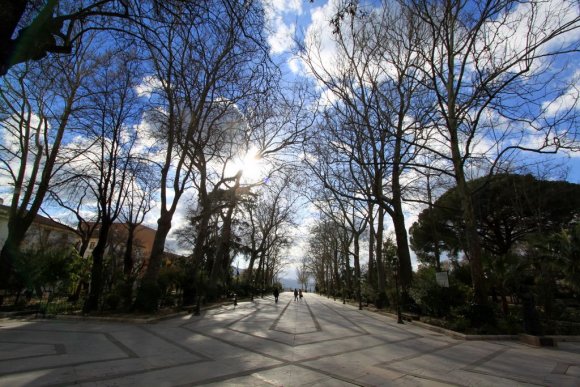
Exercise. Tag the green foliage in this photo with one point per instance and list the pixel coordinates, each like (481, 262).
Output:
(530, 239)
(171, 277)
(381, 300)
(566, 245)
(148, 297)
(432, 298)
(368, 292)
(112, 301)
(54, 269)
(508, 207)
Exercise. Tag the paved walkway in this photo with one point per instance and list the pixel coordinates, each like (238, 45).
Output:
(316, 342)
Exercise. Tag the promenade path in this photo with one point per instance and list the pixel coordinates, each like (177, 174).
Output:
(316, 342)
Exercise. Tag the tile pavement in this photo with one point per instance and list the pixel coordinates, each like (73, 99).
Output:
(315, 342)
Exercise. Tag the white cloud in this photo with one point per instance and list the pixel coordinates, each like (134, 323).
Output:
(280, 33)
(282, 39)
(274, 8)
(296, 65)
(565, 102)
(147, 86)
(529, 24)
(147, 141)
(319, 41)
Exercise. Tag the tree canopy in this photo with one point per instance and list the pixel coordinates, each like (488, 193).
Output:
(508, 208)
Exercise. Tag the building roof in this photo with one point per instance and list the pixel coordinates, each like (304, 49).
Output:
(39, 219)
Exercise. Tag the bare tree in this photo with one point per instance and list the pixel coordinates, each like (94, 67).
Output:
(269, 218)
(106, 162)
(353, 214)
(323, 253)
(39, 102)
(141, 188)
(483, 62)
(75, 197)
(303, 273)
(374, 123)
(206, 58)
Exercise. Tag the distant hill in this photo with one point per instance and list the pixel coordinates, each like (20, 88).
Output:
(292, 283)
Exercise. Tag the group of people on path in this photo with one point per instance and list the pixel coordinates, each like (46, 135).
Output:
(297, 295)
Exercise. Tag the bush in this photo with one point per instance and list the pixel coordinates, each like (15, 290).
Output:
(112, 301)
(510, 324)
(148, 297)
(459, 324)
(433, 299)
(55, 269)
(368, 293)
(381, 300)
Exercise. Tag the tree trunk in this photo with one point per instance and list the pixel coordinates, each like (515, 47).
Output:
(250, 269)
(471, 235)
(149, 293)
(381, 277)
(398, 217)
(128, 256)
(158, 248)
(472, 239)
(328, 279)
(405, 268)
(202, 230)
(337, 281)
(260, 270)
(10, 250)
(371, 269)
(347, 270)
(357, 270)
(222, 255)
(96, 287)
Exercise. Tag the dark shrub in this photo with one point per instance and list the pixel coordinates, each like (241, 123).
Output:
(112, 301)
(148, 297)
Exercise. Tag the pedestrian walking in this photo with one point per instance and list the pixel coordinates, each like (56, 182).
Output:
(276, 294)
(295, 295)
(300, 294)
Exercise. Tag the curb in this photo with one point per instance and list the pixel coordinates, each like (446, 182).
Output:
(112, 319)
(149, 320)
(464, 336)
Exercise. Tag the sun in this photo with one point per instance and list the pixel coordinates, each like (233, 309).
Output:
(251, 165)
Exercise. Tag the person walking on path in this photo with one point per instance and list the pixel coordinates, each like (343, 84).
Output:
(300, 294)
(276, 294)
(295, 295)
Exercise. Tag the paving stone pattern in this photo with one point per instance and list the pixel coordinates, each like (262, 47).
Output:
(313, 342)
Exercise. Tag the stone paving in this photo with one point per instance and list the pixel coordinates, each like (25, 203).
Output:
(315, 342)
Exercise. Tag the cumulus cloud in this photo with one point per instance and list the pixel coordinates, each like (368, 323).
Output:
(282, 38)
(538, 24)
(147, 86)
(319, 41)
(274, 8)
(280, 33)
